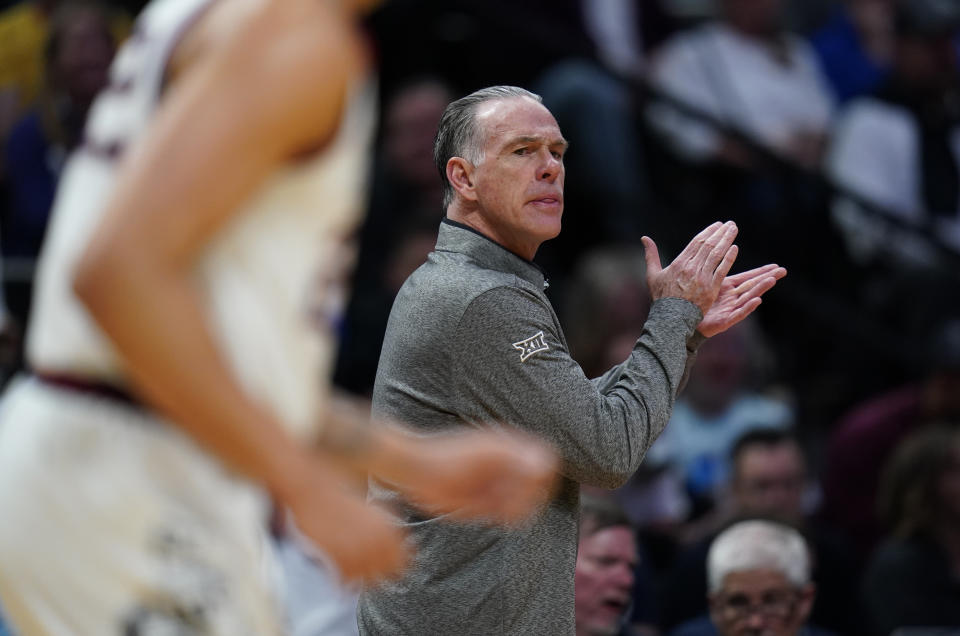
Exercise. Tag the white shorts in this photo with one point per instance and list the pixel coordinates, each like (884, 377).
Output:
(114, 522)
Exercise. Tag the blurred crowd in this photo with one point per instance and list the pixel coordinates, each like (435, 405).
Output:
(829, 130)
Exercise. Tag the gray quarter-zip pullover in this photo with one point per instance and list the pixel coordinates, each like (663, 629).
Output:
(472, 340)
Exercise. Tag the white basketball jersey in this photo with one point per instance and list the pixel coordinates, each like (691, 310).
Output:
(272, 279)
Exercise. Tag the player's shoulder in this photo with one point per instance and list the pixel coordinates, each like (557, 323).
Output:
(286, 66)
(272, 35)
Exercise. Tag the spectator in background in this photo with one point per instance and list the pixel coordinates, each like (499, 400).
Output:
(864, 439)
(913, 579)
(855, 46)
(401, 226)
(769, 480)
(899, 151)
(759, 574)
(77, 56)
(745, 71)
(738, 120)
(24, 31)
(604, 306)
(720, 403)
(896, 149)
(605, 573)
(405, 191)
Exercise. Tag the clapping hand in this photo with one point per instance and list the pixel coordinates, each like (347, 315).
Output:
(739, 297)
(699, 274)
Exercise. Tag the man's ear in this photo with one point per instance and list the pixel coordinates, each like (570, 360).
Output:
(460, 174)
(713, 605)
(805, 603)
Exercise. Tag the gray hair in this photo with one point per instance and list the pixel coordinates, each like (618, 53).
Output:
(599, 513)
(458, 134)
(758, 544)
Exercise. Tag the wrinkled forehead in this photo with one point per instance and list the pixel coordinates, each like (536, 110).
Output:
(611, 542)
(501, 120)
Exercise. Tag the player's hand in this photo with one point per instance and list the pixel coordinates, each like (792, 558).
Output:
(697, 273)
(494, 475)
(360, 539)
(739, 297)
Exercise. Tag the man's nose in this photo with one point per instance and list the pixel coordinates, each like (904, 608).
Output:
(624, 577)
(755, 620)
(551, 167)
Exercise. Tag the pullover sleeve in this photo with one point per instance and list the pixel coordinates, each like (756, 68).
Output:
(609, 379)
(511, 364)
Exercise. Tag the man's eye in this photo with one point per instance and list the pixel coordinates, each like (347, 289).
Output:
(557, 155)
(521, 151)
(775, 598)
(738, 601)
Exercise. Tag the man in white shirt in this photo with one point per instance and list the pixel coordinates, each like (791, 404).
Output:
(895, 157)
(885, 147)
(747, 73)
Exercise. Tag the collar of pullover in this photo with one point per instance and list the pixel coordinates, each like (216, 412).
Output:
(463, 239)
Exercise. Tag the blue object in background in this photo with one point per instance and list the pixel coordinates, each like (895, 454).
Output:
(845, 63)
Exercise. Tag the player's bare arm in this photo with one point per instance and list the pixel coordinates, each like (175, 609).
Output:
(229, 118)
(498, 475)
(243, 107)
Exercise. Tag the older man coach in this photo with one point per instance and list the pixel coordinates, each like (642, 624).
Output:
(473, 339)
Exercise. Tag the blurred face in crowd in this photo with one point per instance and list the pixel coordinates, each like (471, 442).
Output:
(872, 16)
(768, 480)
(720, 372)
(411, 123)
(760, 602)
(928, 62)
(604, 580)
(518, 184)
(754, 17)
(83, 54)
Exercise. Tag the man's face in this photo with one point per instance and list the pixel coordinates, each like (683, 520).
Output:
(604, 580)
(927, 62)
(410, 124)
(769, 480)
(519, 181)
(759, 603)
(720, 372)
(86, 50)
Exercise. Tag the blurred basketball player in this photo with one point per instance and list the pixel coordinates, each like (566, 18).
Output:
(181, 335)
